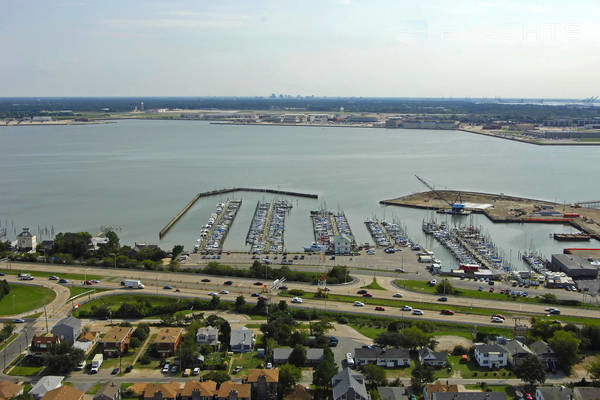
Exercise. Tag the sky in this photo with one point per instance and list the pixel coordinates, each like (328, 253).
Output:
(372, 48)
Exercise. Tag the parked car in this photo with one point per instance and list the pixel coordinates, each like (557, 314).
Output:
(196, 371)
(115, 371)
(237, 369)
(128, 369)
(166, 368)
(432, 282)
(174, 369)
(333, 341)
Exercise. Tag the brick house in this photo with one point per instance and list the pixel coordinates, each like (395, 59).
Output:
(264, 383)
(116, 340)
(43, 343)
(167, 340)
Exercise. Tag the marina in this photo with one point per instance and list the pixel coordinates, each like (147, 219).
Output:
(266, 232)
(215, 231)
(470, 247)
(327, 225)
(378, 233)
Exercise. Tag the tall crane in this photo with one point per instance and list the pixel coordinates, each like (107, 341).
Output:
(456, 207)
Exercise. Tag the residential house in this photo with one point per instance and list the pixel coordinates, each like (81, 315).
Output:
(194, 390)
(67, 329)
(342, 244)
(299, 393)
(517, 352)
(234, 391)
(264, 383)
(545, 353)
(167, 340)
(64, 393)
(116, 340)
(432, 358)
(391, 358)
(43, 343)
(586, 393)
(9, 390)
(281, 355)
(314, 356)
(349, 384)
(156, 391)
(242, 340)
(553, 393)
(26, 240)
(110, 391)
(208, 335)
(469, 396)
(86, 341)
(438, 387)
(391, 393)
(45, 384)
(491, 356)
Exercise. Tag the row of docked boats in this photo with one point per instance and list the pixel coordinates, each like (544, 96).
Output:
(327, 224)
(266, 233)
(214, 232)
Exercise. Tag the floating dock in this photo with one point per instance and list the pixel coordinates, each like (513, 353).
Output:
(189, 205)
(266, 232)
(327, 225)
(215, 231)
(379, 235)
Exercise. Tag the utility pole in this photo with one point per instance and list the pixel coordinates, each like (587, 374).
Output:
(46, 315)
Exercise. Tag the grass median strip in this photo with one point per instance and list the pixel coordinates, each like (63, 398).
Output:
(23, 298)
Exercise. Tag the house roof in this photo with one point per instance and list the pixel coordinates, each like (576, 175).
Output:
(469, 396)
(25, 233)
(391, 393)
(168, 335)
(243, 389)
(376, 352)
(241, 336)
(426, 352)
(438, 387)
(109, 390)
(540, 347)
(282, 353)
(117, 334)
(49, 338)
(64, 393)
(209, 330)
(314, 354)
(555, 392)
(88, 336)
(490, 348)
(346, 379)
(206, 388)
(587, 393)
(299, 393)
(168, 390)
(271, 375)
(9, 389)
(45, 384)
(70, 322)
(515, 347)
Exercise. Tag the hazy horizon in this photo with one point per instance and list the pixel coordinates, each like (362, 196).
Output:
(335, 48)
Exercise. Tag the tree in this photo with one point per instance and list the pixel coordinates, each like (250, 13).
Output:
(566, 346)
(141, 332)
(593, 367)
(214, 302)
(134, 342)
(217, 376)
(319, 328)
(289, 375)
(421, 375)
(375, 375)
(261, 306)
(445, 287)
(223, 326)
(298, 356)
(411, 338)
(531, 370)
(63, 358)
(323, 374)
(76, 244)
(177, 249)
(240, 302)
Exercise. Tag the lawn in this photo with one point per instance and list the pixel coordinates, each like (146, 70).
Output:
(25, 371)
(155, 362)
(7, 341)
(373, 285)
(507, 389)
(466, 331)
(471, 370)
(94, 389)
(23, 298)
(41, 274)
(246, 361)
(113, 362)
(114, 302)
(77, 290)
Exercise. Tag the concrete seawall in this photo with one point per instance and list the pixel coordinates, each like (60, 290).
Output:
(189, 205)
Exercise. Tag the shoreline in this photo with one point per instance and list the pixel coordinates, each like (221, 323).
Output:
(60, 123)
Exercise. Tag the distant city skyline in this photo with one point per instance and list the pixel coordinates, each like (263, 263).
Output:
(431, 48)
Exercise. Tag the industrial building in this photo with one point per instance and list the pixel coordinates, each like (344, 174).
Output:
(575, 266)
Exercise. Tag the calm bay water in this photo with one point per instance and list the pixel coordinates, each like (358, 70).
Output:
(138, 174)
